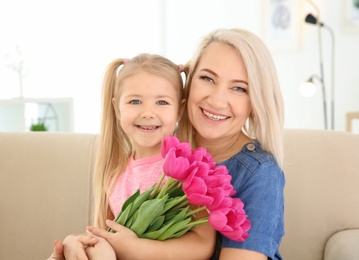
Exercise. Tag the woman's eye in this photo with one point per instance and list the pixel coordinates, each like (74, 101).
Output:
(207, 78)
(162, 102)
(135, 102)
(240, 90)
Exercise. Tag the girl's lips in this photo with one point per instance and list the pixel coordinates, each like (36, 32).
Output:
(214, 117)
(147, 127)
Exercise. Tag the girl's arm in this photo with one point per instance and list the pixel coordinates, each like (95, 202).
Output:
(198, 243)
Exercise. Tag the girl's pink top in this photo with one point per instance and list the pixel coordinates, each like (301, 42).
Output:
(139, 174)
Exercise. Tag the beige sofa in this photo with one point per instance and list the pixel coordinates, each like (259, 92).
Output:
(45, 193)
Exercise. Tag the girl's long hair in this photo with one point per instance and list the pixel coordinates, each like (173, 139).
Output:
(115, 147)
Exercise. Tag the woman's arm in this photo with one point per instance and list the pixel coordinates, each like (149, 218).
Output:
(235, 253)
(198, 243)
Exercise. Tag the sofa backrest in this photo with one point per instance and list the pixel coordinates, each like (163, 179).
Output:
(322, 190)
(45, 190)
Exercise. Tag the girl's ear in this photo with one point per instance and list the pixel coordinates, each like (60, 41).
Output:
(116, 108)
(181, 109)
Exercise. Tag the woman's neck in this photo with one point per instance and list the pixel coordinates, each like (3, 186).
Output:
(224, 148)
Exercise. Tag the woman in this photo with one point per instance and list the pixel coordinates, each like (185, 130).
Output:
(235, 110)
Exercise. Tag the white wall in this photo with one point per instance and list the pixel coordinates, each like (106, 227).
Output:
(67, 45)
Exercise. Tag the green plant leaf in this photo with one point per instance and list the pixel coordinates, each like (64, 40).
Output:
(170, 203)
(130, 200)
(147, 212)
(177, 227)
(181, 233)
(155, 234)
(139, 200)
(156, 224)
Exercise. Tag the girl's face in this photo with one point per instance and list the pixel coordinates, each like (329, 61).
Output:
(148, 110)
(219, 104)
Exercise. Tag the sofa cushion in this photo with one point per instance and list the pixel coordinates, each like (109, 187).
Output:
(45, 190)
(343, 245)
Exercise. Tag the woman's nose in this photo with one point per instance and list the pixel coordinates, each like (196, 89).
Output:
(218, 98)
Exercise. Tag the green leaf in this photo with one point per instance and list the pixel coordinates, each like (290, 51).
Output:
(141, 199)
(181, 215)
(177, 213)
(174, 229)
(130, 200)
(175, 192)
(170, 203)
(123, 216)
(147, 212)
(181, 233)
(156, 224)
(155, 234)
(130, 221)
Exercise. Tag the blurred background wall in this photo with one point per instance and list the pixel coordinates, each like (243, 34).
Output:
(64, 47)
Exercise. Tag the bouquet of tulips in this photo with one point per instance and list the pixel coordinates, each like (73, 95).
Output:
(164, 211)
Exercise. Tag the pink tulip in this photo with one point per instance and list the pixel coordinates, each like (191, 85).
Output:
(168, 143)
(196, 192)
(219, 177)
(231, 222)
(176, 167)
(194, 185)
(200, 154)
(220, 199)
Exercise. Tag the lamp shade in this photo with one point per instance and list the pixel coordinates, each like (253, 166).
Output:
(312, 19)
(308, 89)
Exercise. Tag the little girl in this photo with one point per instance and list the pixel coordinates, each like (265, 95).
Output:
(142, 103)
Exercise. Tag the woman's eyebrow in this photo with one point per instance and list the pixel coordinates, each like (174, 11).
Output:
(216, 75)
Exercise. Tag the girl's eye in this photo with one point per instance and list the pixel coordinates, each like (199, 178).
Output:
(207, 78)
(240, 90)
(162, 102)
(135, 102)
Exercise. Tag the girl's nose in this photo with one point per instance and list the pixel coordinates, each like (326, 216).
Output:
(147, 113)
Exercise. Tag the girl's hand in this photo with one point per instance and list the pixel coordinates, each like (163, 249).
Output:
(75, 246)
(123, 241)
(58, 253)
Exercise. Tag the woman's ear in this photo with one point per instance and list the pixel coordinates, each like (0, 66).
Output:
(181, 109)
(116, 108)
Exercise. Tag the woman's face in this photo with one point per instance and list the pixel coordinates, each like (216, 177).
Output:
(219, 104)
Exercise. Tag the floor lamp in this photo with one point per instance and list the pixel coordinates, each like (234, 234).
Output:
(311, 19)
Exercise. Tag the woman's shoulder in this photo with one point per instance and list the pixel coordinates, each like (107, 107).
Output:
(252, 159)
(253, 153)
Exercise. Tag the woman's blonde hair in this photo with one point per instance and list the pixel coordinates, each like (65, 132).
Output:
(266, 121)
(115, 147)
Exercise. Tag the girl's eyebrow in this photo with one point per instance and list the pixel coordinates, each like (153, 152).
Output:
(216, 75)
(139, 96)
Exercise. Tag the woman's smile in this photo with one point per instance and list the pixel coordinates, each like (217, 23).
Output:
(215, 117)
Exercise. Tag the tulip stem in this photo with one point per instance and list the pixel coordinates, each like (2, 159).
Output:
(158, 184)
(193, 212)
(197, 222)
(165, 187)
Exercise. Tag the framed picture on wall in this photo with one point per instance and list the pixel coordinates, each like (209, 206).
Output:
(281, 24)
(350, 17)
